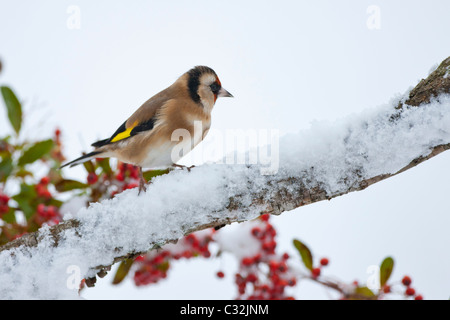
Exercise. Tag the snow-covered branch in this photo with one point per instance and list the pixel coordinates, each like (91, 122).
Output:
(329, 160)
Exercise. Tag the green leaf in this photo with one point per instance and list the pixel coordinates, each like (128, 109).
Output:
(13, 107)
(35, 152)
(9, 217)
(122, 270)
(305, 253)
(364, 291)
(148, 175)
(385, 270)
(6, 167)
(24, 199)
(22, 173)
(89, 166)
(67, 185)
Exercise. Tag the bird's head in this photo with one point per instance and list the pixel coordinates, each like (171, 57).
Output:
(204, 86)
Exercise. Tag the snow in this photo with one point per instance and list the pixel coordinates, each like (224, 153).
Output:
(447, 73)
(365, 145)
(334, 155)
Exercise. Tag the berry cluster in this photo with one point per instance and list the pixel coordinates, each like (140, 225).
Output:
(110, 182)
(42, 188)
(126, 178)
(410, 291)
(127, 171)
(315, 272)
(266, 274)
(48, 214)
(152, 269)
(155, 265)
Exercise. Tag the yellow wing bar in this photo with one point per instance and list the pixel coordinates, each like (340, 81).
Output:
(124, 134)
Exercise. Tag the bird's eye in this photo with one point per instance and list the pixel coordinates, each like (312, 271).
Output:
(215, 87)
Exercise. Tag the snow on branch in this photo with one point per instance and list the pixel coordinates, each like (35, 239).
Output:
(329, 160)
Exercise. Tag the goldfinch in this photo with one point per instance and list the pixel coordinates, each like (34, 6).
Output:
(145, 138)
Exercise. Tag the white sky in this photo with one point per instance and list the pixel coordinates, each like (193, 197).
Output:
(287, 63)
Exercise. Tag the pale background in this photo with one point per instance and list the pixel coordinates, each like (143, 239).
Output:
(287, 63)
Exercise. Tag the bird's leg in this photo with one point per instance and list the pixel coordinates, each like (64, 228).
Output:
(182, 167)
(142, 182)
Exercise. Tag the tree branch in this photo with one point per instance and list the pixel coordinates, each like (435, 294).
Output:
(179, 203)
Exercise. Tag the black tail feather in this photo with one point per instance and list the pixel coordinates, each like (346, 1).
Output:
(101, 143)
(83, 157)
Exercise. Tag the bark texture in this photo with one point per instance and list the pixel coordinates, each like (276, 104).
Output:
(290, 193)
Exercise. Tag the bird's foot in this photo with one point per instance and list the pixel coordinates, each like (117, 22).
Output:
(142, 182)
(183, 167)
(142, 186)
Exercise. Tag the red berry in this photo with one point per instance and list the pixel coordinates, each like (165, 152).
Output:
(387, 289)
(247, 261)
(324, 262)
(418, 297)
(139, 258)
(45, 181)
(282, 283)
(120, 176)
(41, 209)
(220, 274)
(46, 194)
(274, 278)
(4, 198)
(252, 277)
(265, 288)
(410, 291)
(273, 265)
(257, 258)
(158, 260)
(134, 172)
(292, 282)
(206, 254)
(92, 178)
(269, 246)
(42, 191)
(406, 281)
(315, 272)
(282, 267)
(256, 232)
(265, 217)
(51, 212)
(270, 230)
(191, 238)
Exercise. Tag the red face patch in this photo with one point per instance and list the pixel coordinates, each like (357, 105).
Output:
(220, 86)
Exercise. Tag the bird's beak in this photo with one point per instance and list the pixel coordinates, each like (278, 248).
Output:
(224, 93)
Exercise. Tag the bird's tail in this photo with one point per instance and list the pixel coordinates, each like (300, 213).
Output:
(82, 159)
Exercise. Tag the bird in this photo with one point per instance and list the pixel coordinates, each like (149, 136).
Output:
(145, 138)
